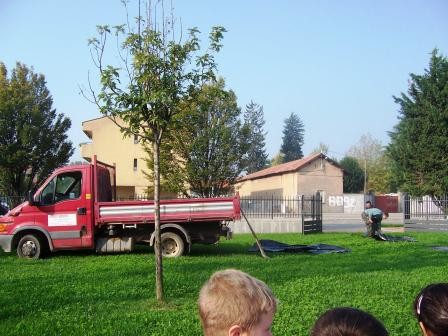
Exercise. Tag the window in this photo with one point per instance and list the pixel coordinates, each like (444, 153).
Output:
(47, 195)
(135, 164)
(65, 186)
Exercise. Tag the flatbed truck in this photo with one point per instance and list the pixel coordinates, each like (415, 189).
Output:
(75, 208)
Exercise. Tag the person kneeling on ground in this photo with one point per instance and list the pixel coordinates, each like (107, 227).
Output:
(365, 218)
(233, 303)
(431, 309)
(373, 217)
(348, 322)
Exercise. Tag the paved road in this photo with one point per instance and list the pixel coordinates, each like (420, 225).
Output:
(334, 222)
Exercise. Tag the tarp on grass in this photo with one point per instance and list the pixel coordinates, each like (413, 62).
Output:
(275, 246)
(384, 237)
(440, 248)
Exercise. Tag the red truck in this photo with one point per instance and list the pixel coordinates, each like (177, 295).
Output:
(75, 208)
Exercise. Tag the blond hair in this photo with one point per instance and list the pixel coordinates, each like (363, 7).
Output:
(232, 297)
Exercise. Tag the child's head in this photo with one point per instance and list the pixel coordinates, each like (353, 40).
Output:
(348, 322)
(234, 303)
(431, 309)
(385, 215)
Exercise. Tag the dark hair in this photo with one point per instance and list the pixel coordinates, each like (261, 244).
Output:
(431, 308)
(368, 202)
(348, 322)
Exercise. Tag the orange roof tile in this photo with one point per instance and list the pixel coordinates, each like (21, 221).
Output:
(287, 167)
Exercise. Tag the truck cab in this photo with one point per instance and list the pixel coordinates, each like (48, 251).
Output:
(57, 216)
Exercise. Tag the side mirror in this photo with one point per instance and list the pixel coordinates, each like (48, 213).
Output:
(31, 200)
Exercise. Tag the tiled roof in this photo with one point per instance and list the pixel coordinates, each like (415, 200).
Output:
(286, 167)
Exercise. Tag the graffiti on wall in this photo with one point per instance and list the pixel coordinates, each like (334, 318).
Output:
(338, 201)
(348, 203)
(355, 202)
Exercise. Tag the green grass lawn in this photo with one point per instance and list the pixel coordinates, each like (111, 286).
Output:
(81, 293)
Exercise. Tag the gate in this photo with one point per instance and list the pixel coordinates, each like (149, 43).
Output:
(304, 210)
(386, 203)
(311, 213)
(425, 213)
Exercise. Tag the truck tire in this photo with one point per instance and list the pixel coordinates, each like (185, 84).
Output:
(30, 246)
(172, 245)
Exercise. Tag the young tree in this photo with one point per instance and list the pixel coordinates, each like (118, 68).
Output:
(277, 159)
(367, 149)
(171, 164)
(254, 120)
(158, 72)
(322, 148)
(419, 142)
(353, 175)
(380, 175)
(293, 138)
(209, 146)
(368, 152)
(33, 139)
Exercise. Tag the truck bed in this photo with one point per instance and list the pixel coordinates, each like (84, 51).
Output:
(171, 211)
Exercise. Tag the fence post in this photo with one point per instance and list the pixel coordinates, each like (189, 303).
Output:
(302, 215)
(313, 207)
(319, 210)
(406, 206)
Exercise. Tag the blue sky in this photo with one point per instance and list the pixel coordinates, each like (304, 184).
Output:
(336, 64)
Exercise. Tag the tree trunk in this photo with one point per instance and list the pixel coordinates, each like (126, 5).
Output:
(157, 245)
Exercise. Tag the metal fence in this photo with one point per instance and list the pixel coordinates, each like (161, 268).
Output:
(11, 201)
(427, 213)
(141, 197)
(271, 207)
(307, 209)
(311, 214)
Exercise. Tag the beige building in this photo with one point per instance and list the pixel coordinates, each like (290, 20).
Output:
(306, 176)
(110, 146)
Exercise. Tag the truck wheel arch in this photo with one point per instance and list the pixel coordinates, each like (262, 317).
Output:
(176, 228)
(31, 229)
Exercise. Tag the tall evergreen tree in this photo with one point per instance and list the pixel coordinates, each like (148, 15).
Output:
(419, 142)
(33, 136)
(293, 138)
(256, 155)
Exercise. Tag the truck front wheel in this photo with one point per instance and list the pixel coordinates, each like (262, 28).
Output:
(172, 245)
(30, 247)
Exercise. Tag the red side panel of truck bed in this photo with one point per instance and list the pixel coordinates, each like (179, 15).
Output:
(171, 211)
